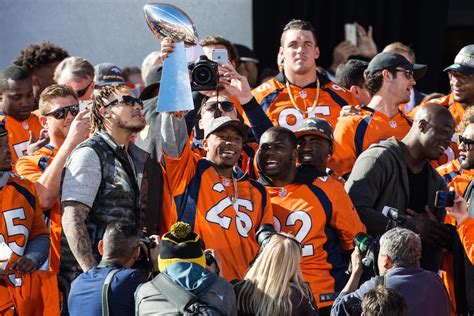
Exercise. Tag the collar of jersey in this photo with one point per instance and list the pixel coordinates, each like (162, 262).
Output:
(323, 81)
(304, 175)
(4, 176)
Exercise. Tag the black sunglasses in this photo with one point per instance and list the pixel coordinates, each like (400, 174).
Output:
(127, 100)
(408, 72)
(82, 92)
(466, 141)
(62, 112)
(226, 106)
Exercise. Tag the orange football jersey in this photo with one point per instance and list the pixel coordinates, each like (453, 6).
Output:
(459, 179)
(32, 167)
(354, 134)
(18, 133)
(202, 198)
(275, 100)
(321, 216)
(22, 220)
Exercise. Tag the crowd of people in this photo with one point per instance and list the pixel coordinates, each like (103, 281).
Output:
(297, 191)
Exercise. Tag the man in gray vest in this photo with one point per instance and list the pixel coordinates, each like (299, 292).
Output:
(104, 180)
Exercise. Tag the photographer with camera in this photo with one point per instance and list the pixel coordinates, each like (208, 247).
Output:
(399, 266)
(397, 174)
(188, 283)
(109, 287)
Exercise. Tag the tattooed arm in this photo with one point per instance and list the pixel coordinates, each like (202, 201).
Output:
(75, 230)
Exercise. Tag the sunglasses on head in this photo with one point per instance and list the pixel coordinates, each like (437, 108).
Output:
(466, 141)
(62, 112)
(408, 72)
(82, 92)
(127, 100)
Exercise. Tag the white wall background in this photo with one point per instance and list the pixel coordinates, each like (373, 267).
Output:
(110, 30)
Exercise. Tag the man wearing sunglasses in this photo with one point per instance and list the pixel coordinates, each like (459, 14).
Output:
(77, 73)
(459, 175)
(389, 80)
(66, 128)
(16, 104)
(105, 180)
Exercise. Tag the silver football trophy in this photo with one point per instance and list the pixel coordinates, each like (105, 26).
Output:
(166, 20)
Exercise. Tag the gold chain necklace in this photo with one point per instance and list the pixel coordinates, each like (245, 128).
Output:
(315, 103)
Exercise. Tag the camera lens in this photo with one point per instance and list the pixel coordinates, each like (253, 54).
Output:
(202, 75)
(362, 241)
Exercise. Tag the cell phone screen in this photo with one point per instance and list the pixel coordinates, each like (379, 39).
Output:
(350, 33)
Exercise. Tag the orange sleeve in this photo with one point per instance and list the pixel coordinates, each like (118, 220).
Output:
(179, 171)
(38, 226)
(344, 156)
(27, 167)
(345, 219)
(466, 235)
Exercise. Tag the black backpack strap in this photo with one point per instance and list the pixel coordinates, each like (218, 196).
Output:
(175, 294)
(105, 291)
(380, 280)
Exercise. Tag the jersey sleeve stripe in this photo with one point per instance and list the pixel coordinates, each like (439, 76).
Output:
(186, 203)
(263, 192)
(331, 246)
(27, 194)
(268, 100)
(336, 97)
(360, 134)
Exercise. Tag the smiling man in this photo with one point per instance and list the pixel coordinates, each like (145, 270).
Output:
(300, 92)
(312, 206)
(389, 80)
(398, 174)
(16, 104)
(229, 211)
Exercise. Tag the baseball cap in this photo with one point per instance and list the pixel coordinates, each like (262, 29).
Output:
(316, 126)
(246, 54)
(107, 74)
(223, 122)
(152, 82)
(392, 60)
(464, 61)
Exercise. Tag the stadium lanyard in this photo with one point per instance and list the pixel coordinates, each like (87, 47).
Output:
(315, 103)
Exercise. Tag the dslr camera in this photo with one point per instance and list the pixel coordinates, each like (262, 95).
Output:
(144, 261)
(204, 74)
(369, 247)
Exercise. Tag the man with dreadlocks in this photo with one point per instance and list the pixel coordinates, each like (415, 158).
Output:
(103, 180)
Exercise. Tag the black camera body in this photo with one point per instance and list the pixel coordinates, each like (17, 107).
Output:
(144, 261)
(204, 74)
(370, 247)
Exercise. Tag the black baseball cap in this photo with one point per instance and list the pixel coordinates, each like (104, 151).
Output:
(224, 121)
(464, 61)
(152, 82)
(107, 74)
(391, 60)
(316, 126)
